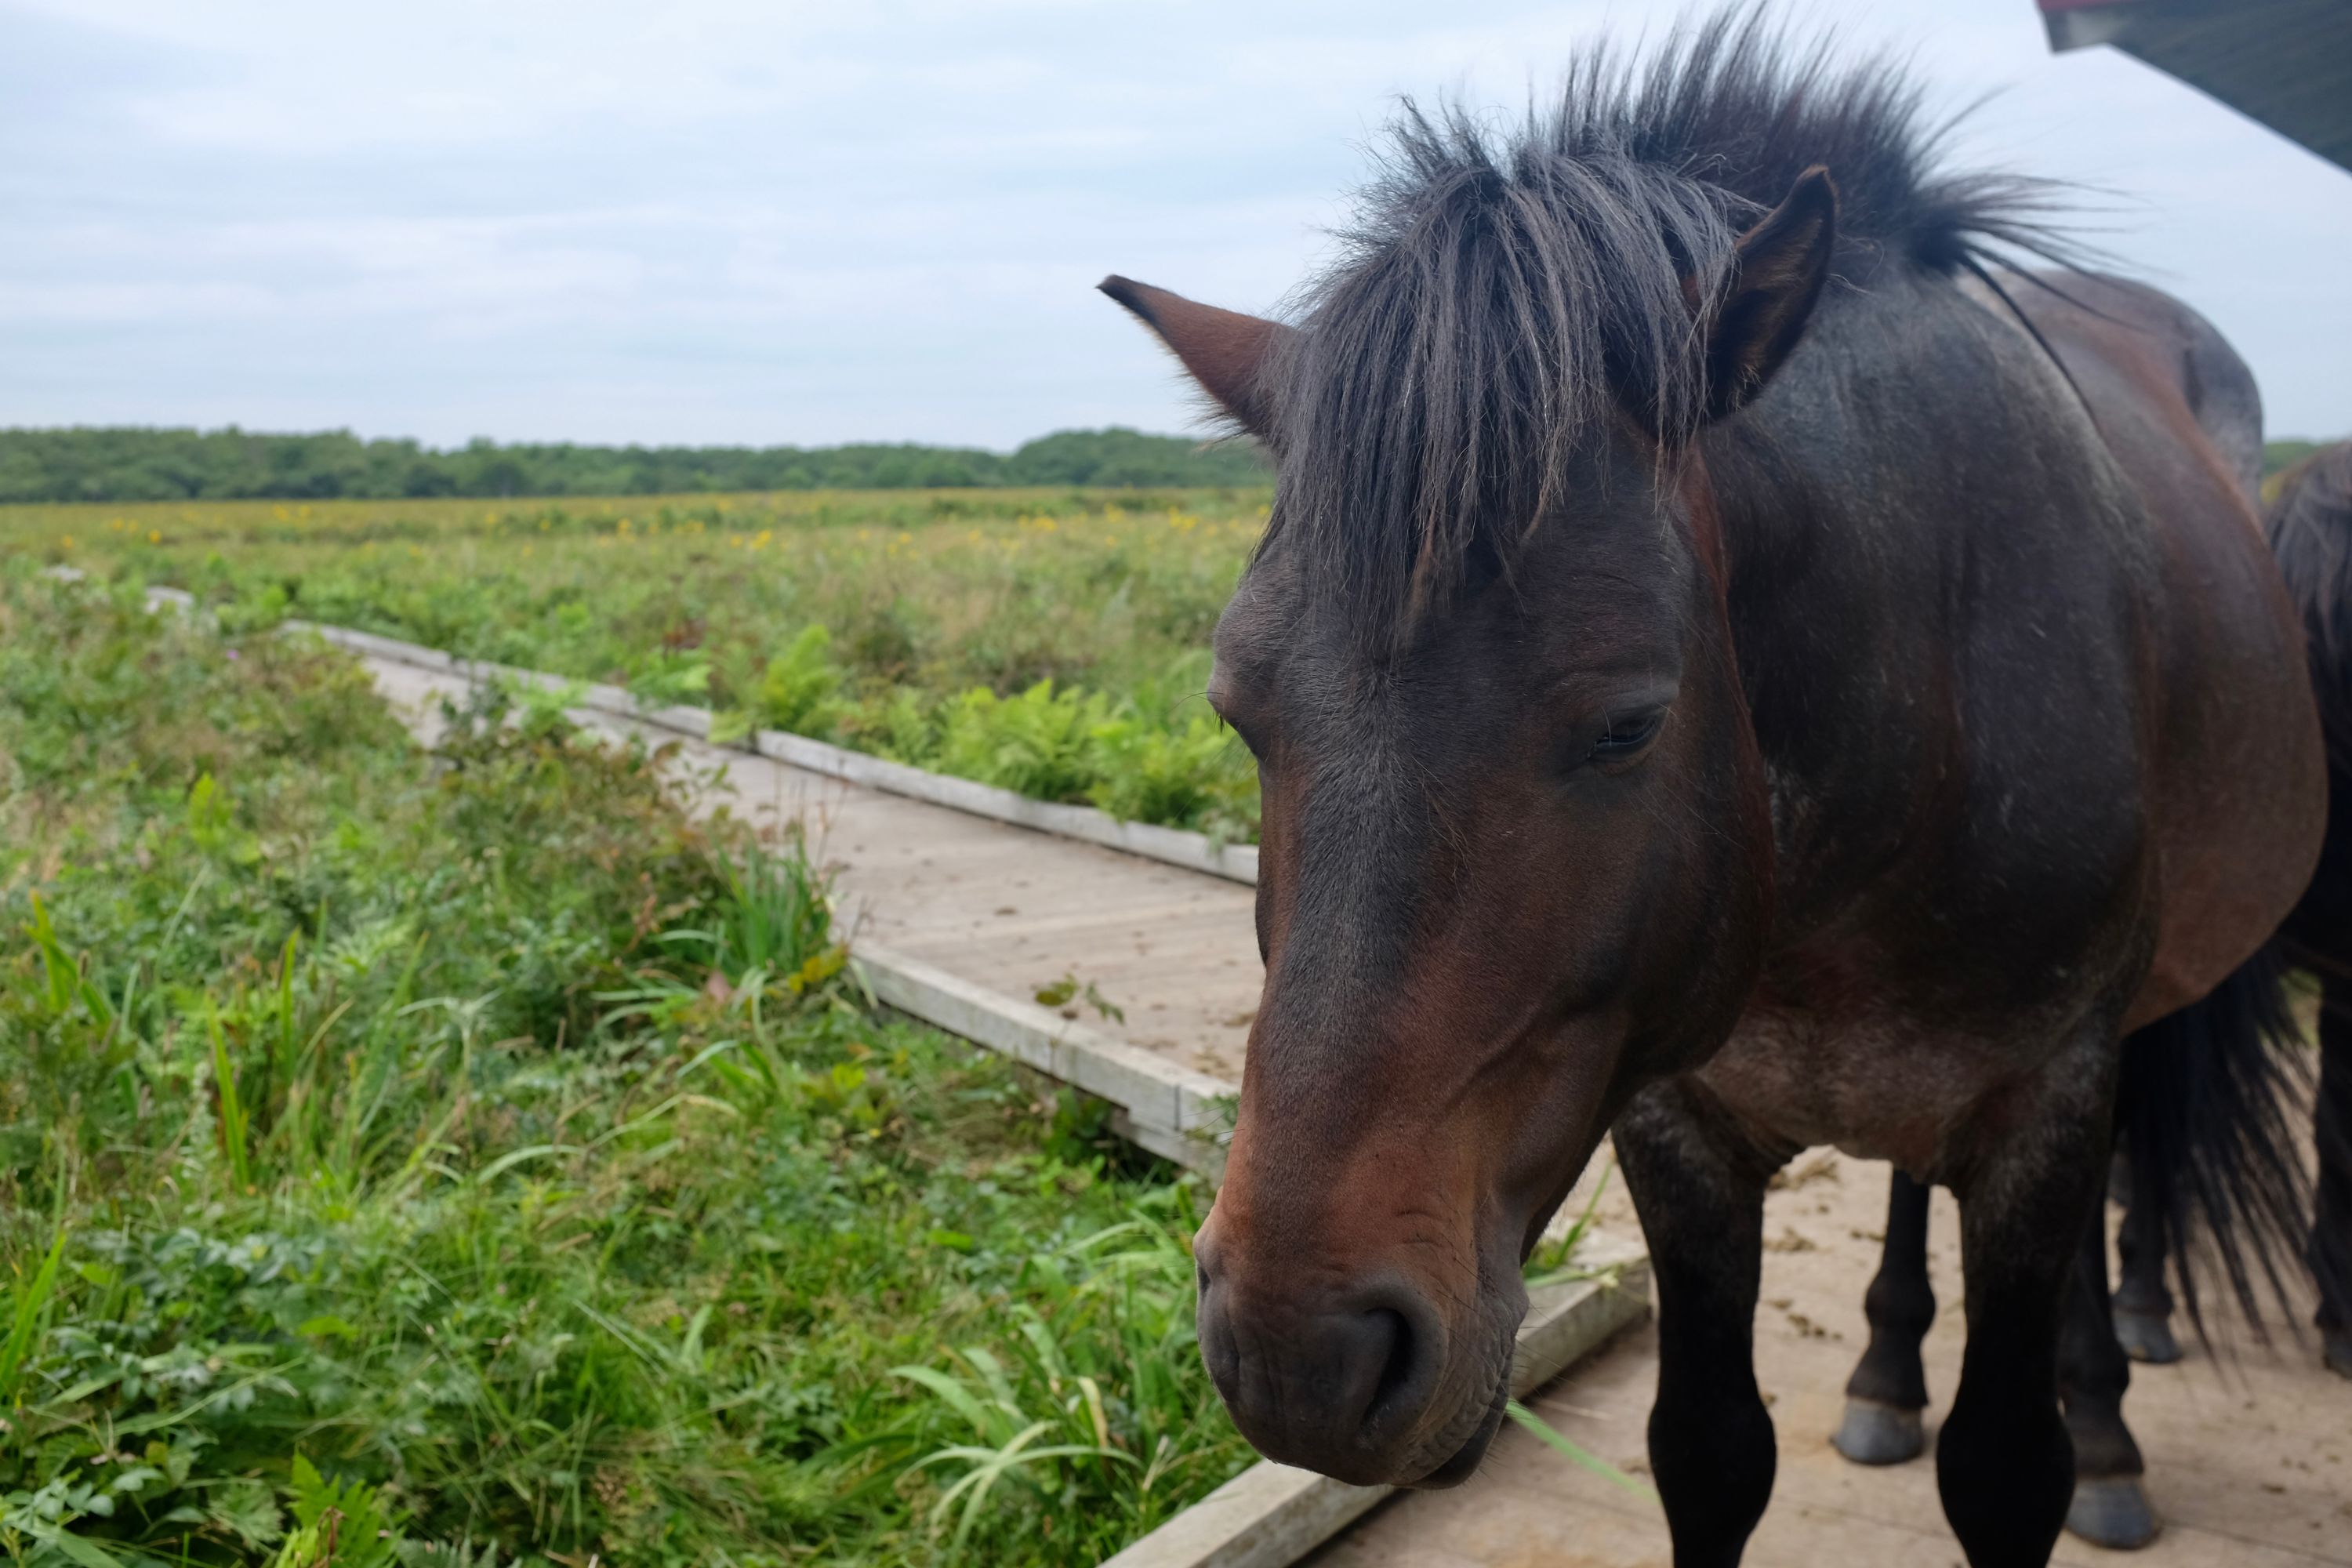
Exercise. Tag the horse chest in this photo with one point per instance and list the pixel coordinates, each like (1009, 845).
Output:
(1877, 1084)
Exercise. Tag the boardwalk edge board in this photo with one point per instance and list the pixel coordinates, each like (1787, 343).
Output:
(1174, 847)
(1175, 1112)
(1272, 1515)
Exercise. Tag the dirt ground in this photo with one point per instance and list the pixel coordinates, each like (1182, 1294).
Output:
(2249, 1454)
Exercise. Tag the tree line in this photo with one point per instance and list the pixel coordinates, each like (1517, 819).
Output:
(140, 464)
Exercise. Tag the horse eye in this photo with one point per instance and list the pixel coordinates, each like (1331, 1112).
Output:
(1248, 738)
(1627, 734)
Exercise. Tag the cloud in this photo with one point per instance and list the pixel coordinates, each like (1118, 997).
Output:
(722, 221)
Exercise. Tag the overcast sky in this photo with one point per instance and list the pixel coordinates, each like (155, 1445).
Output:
(759, 221)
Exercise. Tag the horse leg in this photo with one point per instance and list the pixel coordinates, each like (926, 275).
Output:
(2143, 1306)
(2003, 1460)
(1699, 1189)
(1889, 1387)
(2109, 1507)
(2331, 1229)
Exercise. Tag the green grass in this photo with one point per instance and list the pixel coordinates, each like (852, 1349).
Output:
(1054, 642)
(469, 1158)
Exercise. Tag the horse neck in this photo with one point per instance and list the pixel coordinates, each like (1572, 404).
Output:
(1846, 538)
(1831, 485)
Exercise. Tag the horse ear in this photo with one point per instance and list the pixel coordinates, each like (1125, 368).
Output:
(1225, 351)
(1778, 269)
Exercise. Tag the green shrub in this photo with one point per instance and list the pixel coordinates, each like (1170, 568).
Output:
(1040, 742)
(903, 726)
(666, 675)
(798, 687)
(1197, 776)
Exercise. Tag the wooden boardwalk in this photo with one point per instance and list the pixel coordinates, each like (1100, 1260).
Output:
(2251, 1465)
(1015, 911)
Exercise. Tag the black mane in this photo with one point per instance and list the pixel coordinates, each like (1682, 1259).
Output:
(1503, 294)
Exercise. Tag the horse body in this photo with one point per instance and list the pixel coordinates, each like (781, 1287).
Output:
(2207, 1087)
(1726, 680)
(2013, 816)
(2007, 738)
(2178, 408)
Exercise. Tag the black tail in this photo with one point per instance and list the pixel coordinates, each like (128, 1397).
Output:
(2205, 1111)
(2331, 1130)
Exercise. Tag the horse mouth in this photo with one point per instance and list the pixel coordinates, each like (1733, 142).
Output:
(1465, 1461)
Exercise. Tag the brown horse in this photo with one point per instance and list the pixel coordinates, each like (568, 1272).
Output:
(1712, 671)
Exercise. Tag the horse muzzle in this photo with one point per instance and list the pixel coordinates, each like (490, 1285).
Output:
(1359, 1377)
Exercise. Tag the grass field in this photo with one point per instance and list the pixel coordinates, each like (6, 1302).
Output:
(472, 1147)
(1054, 642)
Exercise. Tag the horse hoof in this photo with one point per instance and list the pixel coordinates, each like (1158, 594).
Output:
(2111, 1512)
(1875, 1434)
(2146, 1337)
(2336, 1349)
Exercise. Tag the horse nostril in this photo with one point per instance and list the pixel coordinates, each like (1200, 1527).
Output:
(1399, 1350)
(1204, 1254)
(1213, 1325)
(1397, 1368)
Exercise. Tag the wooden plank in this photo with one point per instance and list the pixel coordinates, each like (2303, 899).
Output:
(1184, 1115)
(1194, 851)
(1272, 1515)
